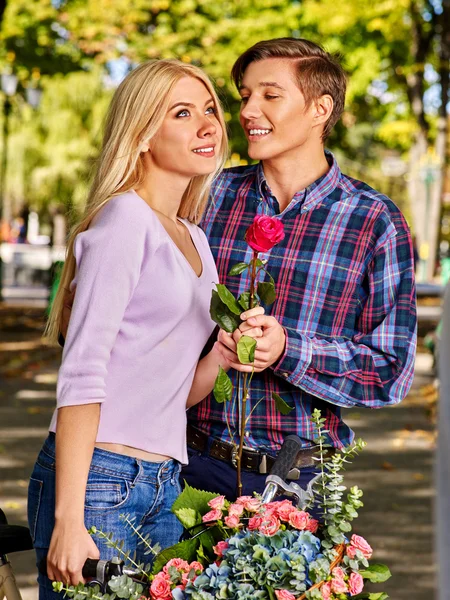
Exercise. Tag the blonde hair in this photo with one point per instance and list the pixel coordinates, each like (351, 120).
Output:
(135, 115)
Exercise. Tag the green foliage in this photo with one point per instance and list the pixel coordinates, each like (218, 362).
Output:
(281, 405)
(266, 292)
(220, 313)
(238, 268)
(223, 387)
(246, 347)
(376, 573)
(194, 499)
(228, 299)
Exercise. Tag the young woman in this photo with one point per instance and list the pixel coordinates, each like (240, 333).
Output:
(140, 319)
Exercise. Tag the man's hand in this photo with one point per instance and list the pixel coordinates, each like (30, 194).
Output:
(269, 346)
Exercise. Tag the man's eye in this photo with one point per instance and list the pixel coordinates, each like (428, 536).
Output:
(183, 113)
(270, 97)
(244, 99)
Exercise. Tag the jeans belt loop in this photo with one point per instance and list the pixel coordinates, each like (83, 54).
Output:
(138, 474)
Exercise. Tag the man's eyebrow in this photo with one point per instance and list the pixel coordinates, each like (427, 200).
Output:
(265, 84)
(189, 104)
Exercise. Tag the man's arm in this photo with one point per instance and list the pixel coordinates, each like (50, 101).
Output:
(375, 367)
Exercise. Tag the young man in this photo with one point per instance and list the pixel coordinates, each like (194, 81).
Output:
(342, 331)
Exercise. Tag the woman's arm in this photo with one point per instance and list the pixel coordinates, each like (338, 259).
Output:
(71, 544)
(205, 374)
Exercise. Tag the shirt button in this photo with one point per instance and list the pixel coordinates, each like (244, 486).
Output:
(285, 374)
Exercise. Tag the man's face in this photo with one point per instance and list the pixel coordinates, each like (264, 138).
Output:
(273, 114)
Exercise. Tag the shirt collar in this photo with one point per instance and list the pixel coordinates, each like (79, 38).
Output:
(313, 194)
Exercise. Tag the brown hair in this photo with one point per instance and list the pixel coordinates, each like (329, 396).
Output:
(318, 72)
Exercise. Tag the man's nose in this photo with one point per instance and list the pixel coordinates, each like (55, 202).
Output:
(251, 110)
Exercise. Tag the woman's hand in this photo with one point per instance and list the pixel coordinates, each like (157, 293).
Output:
(70, 546)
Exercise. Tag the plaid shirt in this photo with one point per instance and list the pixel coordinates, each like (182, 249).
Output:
(344, 277)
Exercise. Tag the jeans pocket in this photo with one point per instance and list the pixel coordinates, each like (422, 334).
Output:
(34, 503)
(104, 495)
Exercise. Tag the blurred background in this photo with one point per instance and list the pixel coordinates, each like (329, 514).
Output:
(60, 61)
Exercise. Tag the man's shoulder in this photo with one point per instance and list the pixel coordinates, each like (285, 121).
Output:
(234, 175)
(372, 202)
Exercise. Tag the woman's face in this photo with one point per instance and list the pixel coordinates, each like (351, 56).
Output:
(188, 142)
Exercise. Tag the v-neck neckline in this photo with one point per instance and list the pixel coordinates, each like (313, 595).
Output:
(182, 221)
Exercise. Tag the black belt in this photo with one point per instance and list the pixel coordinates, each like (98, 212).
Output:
(252, 460)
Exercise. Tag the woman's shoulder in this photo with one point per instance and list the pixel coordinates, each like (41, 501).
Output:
(128, 207)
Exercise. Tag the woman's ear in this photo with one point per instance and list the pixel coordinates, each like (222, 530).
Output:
(145, 147)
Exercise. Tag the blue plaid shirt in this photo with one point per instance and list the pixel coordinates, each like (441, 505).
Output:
(344, 276)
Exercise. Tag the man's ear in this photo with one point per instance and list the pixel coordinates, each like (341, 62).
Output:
(323, 109)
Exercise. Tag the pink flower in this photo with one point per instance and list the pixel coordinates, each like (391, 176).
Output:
(212, 515)
(232, 521)
(264, 233)
(312, 525)
(243, 499)
(284, 595)
(217, 503)
(326, 590)
(236, 509)
(270, 525)
(178, 563)
(355, 584)
(338, 586)
(160, 588)
(338, 573)
(360, 544)
(220, 547)
(252, 505)
(198, 567)
(285, 509)
(255, 522)
(351, 552)
(299, 519)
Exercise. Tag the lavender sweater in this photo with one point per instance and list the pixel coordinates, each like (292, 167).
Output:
(139, 322)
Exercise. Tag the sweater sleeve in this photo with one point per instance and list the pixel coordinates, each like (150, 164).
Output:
(109, 258)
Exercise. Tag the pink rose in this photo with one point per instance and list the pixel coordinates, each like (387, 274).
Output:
(361, 544)
(264, 233)
(312, 525)
(236, 509)
(338, 573)
(198, 567)
(326, 590)
(284, 509)
(284, 595)
(160, 588)
(220, 547)
(178, 563)
(254, 522)
(243, 499)
(299, 519)
(252, 505)
(270, 525)
(338, 586)
(355, 584)
(212, 515)
(217, 503)
(351, 552)
(232, 521)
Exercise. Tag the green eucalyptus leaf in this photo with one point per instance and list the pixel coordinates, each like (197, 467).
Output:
(227, 298)
(246, 347)
(376, 573)
(281, 405)
(223, 388)
(266, 292)
(244, 300)
(222, 315)
(238, 268)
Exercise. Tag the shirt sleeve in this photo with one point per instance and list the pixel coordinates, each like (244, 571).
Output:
(374, 368)
(109, 257)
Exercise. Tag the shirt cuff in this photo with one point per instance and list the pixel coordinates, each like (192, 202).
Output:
(296, 359)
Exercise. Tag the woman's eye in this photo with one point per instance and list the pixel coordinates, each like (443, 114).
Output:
(183, 113)
(211, 110)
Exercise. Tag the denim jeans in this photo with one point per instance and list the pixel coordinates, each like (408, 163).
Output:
(117, 485)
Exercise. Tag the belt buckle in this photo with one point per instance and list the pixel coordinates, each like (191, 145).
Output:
(234, 456)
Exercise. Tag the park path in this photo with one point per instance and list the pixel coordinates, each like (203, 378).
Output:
(395, 470)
